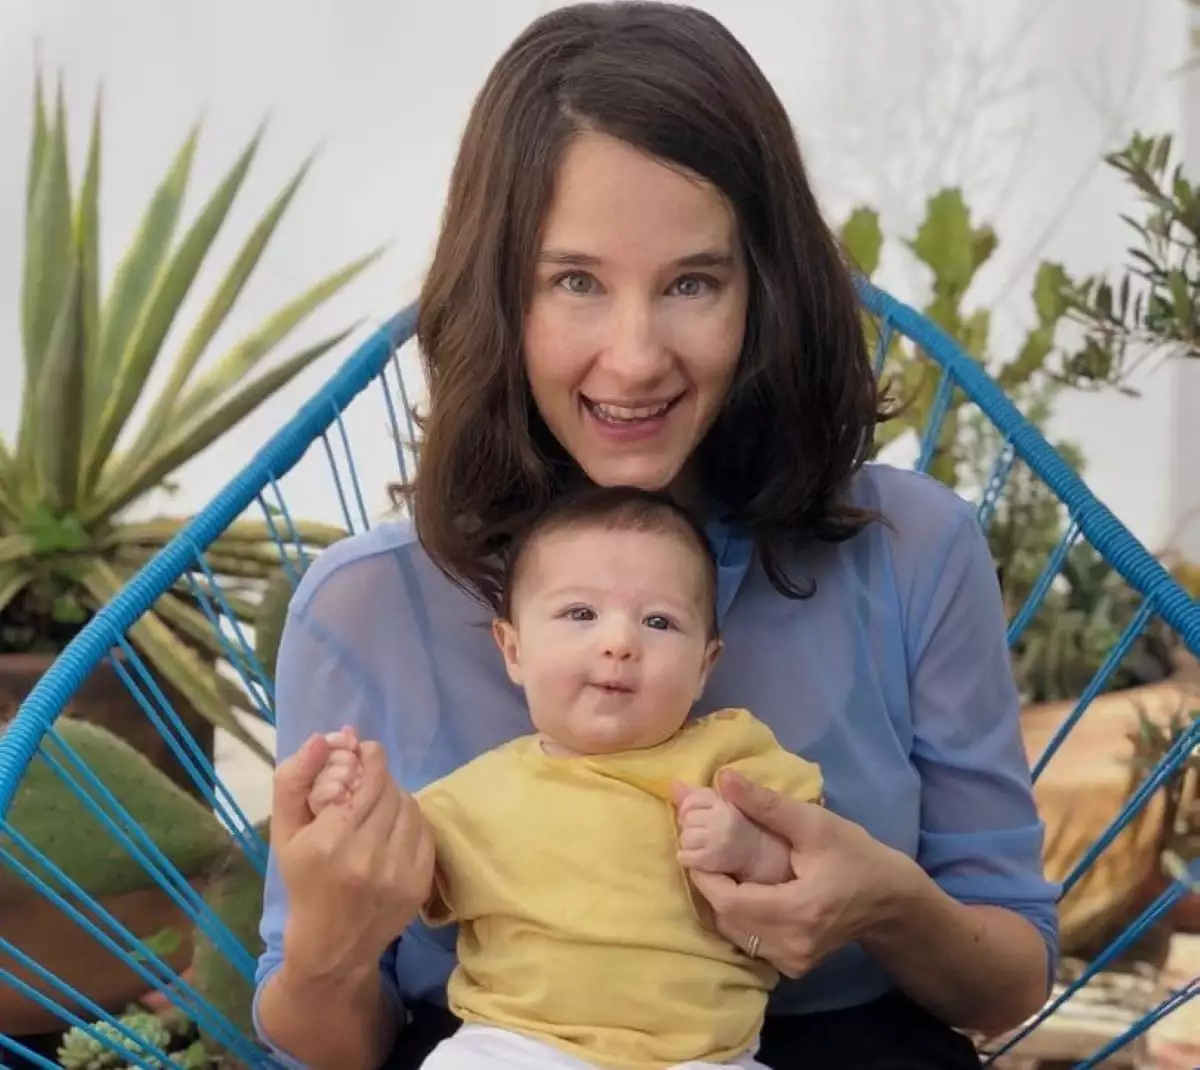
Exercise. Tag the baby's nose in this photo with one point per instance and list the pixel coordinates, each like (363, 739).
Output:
(620, 642)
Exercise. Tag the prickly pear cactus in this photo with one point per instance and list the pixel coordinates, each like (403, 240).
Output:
(234, 893)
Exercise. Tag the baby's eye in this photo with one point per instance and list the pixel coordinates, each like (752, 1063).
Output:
(581, 613)
(659, 622)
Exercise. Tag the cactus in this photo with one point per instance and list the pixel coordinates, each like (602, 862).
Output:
(50, 814)
(954, 247)
(234, 893)
(1085, 612)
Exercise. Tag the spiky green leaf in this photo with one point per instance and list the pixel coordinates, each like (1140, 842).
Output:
(15, 548)
(48, 254)
(201, 432)
(136, 274)
(37, 147)
(14, 578)
(213, 316)
(159, 311)
(178, 665)
(222, 594)
(58, 432)
(160, 530)
(87, 241)
(196, 627)
(245, 356)
(6, 475)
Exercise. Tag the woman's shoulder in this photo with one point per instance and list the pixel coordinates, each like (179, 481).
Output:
(916, 505)
(355, 566)
(380, 574)
(921, 517)
(926, 534)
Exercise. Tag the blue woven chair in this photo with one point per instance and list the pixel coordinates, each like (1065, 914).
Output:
(319, 425)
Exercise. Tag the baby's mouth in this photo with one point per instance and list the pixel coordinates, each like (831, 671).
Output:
(613, 687)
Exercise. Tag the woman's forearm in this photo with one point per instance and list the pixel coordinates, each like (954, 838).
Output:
(977, 967)
(328, 1025)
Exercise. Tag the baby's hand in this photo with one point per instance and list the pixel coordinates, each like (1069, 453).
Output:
(342, 772)
(716, 837)
(713, 835)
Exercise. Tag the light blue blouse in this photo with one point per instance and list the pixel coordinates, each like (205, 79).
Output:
(894, 676)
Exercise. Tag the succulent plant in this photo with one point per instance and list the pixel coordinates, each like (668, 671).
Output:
(80, 462)
(104, 1050)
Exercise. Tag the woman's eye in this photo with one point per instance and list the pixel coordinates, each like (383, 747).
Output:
(577, 282)
(692, 286)
(658, 622)
(580, 613)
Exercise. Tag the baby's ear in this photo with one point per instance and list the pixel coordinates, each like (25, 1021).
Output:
(505, 635)
(711, 653)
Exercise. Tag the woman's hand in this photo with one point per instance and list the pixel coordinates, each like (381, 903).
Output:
(844, 883)
(356, 874)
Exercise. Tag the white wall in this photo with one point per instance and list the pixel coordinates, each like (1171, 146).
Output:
(1014, 100)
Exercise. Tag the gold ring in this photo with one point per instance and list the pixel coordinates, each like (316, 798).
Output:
(752, 946)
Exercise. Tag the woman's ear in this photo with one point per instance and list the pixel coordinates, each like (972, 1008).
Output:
(711, 652)
(505, 635)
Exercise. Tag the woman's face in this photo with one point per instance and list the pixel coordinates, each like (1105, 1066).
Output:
(638, 313)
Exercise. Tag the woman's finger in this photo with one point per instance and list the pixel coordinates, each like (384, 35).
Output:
(753, 906)
(788, 818)
(376, 827)
(408, 830)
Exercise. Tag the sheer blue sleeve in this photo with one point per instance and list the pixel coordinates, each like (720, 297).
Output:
(981, 836)
(322, 682)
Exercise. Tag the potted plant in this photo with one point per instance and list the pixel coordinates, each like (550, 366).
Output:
(50, 816)
(80, 463)
(1088, 607)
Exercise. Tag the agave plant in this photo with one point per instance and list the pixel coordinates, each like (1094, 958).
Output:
(79, 463)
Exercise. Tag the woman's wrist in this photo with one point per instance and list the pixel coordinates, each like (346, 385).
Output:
(314, 959)
(343, 978)
(345, 1021)
(978, 967)
(900, 886)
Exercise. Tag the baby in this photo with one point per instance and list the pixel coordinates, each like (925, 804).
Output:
(563, 855)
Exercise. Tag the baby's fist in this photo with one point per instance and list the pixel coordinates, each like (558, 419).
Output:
(712, 834)
(341, 774)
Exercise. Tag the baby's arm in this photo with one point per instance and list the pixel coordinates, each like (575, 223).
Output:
(716, 837)
(342, 772)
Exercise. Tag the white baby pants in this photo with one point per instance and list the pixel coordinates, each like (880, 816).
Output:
(481, 1047)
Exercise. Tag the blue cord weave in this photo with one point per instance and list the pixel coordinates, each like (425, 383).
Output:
(321, 418)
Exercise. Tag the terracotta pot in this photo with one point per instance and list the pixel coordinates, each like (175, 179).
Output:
(75, 956)
(104, 700)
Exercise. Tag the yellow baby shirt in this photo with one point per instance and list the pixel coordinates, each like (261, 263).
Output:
(577, 925)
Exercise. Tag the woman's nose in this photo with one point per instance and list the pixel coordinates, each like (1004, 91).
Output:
(635, 355)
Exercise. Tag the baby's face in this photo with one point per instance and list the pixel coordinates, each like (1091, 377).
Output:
(609, 638)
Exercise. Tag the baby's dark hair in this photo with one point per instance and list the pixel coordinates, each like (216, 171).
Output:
(619, 508)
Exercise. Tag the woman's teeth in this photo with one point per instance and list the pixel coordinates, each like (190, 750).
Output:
(622, 414)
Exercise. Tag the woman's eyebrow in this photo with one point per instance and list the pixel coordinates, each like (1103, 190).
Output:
(708, 258)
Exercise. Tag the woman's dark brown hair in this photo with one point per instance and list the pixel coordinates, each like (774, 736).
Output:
(800, 415)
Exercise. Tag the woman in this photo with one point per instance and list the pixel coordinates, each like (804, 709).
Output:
(633, 284)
